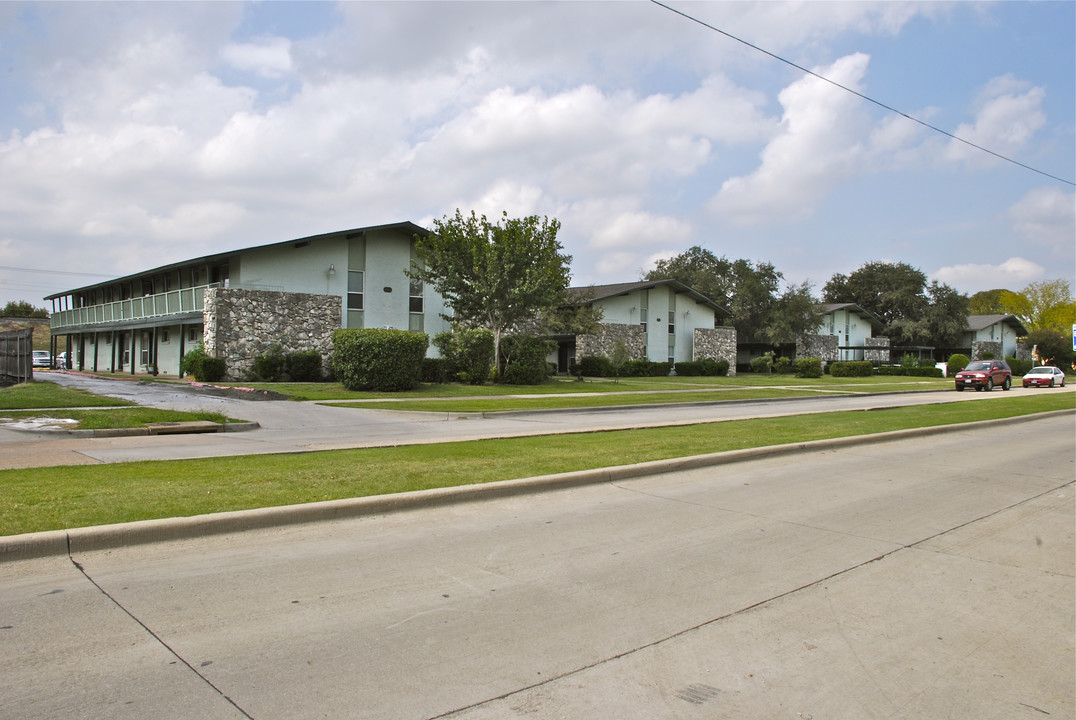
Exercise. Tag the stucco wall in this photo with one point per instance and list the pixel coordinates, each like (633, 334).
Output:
(716, 344)
(242, 324)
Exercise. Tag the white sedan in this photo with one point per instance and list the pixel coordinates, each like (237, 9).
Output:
(1044, 376)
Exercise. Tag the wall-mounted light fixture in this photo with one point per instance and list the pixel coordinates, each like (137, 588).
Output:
(332, 269)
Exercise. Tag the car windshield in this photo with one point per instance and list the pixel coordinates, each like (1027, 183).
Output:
(978, 366)
(1041, 371)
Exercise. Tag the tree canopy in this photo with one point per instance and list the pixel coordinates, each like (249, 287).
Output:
(749, 290)
(21, 308)
(897, 293)
(1045, 305)
(494, 275)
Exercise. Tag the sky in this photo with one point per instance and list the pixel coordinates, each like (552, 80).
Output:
(137, 134)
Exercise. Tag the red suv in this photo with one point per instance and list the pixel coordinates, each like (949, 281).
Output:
(984, 375)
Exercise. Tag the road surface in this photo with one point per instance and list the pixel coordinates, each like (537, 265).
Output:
(922, 578)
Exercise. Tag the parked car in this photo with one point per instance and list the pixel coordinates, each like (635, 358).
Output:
(1044, 376)
(42, 358)
(984, 375)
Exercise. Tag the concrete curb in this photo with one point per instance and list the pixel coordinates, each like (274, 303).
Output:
(196, 426)
(104, 537)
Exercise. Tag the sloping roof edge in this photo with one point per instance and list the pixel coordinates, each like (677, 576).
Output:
(873, 319)
(981, 322)
(406, 225)
(590, 293)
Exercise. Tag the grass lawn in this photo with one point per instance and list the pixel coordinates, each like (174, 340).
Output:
(121, 417)
(84, 495)
(42, 394)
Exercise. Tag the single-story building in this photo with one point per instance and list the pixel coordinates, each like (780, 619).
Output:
(240, 303)
(659, 320)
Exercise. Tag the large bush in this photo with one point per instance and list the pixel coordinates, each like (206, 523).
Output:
(468, 354)
(594, 366)
(384, 360)
(957, 362)
(200, 367)
(809, 367)
(854, 368)
(705, 367)
(303, 366)
(1019, 367)
(270, 366)
(762, 364)
(525, 359)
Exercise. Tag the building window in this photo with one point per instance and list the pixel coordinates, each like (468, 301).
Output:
(354, 289)
(642, 318)
(164, 336)
(192, 334)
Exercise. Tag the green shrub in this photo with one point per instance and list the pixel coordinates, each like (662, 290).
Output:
(782, 366)
(384, 360)
(687, 368)
(987, 356)
(595, 366)
(1019, 367)
(200, 367)
(706, 367)
(468, 354)
(270, 366)
(762, 364)
(855, 368)
(434, 370)
(525, 359)
(957, 362)
(303, 366)
(810, 367)
(923, 372)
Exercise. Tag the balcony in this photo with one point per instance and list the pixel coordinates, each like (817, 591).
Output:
(148, 307)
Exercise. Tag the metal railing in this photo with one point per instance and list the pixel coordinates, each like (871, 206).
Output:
(173, 302)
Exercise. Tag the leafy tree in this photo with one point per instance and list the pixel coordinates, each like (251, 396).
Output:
(892, 291)
(1051, 347)
(1042, 305)
(794, 313)
(987, 302)
(494, 275)
(748, 290)
(946, 319)
(21, 308)
(579, 317)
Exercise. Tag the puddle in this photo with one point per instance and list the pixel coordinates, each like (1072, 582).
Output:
(39, 423)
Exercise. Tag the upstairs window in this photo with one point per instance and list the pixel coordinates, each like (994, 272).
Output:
(355, 280)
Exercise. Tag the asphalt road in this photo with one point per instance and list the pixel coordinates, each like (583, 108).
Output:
(306, 426)
(923, 578)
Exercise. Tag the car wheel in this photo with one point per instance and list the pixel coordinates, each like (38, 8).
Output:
(989, 384)
(1051, 382)
(1007, 384)
(960, 388)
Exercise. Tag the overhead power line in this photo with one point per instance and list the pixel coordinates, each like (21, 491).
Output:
(859, 94)
(55, 272)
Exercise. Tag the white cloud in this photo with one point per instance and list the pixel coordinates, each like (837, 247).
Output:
(1047, 217)
(820, 142)
(1008, 113)
(1014, 273)
(268, 57)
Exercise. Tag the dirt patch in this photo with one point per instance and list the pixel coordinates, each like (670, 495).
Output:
(238, 393)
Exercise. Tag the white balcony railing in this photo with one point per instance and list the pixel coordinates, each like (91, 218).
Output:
(173, 302)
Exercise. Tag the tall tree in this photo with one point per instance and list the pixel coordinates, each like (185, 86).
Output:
(892, 291)
(494, 275)
(1046, 305)
(21, 308)
(748, 290)
(794, 313)
(987, 302)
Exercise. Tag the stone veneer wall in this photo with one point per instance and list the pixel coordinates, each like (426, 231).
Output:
(242, 324)
(880, 356)
(716, 344)
(978, 347)
(823, 347)
(602, 343)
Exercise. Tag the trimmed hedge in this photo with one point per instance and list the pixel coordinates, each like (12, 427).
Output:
(599, 366)
(809, 367)
(707, 367)
(854, 368)
(303, 366)
(201, 367)
(910, 372)
(525, 359)
(1019, 367)
(384, 360)
(468, 354)
(957, 362)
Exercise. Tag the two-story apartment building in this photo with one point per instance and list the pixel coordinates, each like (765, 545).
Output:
(239, 303)
(854, 328)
